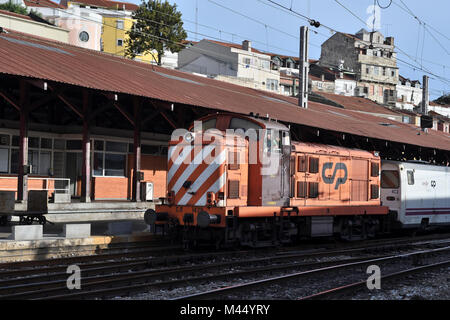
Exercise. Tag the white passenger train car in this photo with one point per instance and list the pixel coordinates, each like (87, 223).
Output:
(418, 193)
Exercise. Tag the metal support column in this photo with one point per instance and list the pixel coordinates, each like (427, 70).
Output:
(304, 68)
(22, 181)
(137, 150)
(86, 167)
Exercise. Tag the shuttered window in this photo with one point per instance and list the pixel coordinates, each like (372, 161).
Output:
(313, 165)
(301, 189)
(313, 189)
(233, 189)
(302, 164)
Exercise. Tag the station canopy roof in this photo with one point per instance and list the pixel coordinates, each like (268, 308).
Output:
(28, 56)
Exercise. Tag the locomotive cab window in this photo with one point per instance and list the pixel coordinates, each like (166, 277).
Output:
(390, 179)
(272, 141)
(410, 175)
(286, 138)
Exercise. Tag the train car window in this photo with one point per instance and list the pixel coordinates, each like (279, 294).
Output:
(272, 141)
(301, 189)
(313, 191)
(374, 191)
(390, 179)
(238, 123)
(286, 138)
(233, 189)
(302, 163)
(208, 124)
(313, 165)
(410, 175)
(375, 169)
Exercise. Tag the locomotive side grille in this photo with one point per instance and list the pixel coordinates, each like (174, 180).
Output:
(302, 164)
(374, 191)
(313, 165)
(301, 189)
(313, 189)
(375, 169)
(233, 160)
(233, 189)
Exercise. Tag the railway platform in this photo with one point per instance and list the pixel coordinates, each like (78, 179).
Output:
(98, 225)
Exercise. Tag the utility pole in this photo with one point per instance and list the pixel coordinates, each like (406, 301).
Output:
(425, 96)
(304, 68)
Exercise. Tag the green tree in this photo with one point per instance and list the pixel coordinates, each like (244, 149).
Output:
(158, 27)
(12, 7)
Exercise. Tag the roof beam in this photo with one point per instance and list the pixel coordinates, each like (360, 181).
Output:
(12, 101)
(124, 113)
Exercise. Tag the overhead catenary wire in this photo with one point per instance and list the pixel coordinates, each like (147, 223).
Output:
(211, 53)
(444, 80)
(186, 46)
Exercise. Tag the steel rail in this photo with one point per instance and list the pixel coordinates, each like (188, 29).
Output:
(100, 267)
(259, 283)
(58, 289)
(356, 286)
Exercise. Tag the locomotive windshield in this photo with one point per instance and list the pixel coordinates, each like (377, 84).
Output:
(390, 179)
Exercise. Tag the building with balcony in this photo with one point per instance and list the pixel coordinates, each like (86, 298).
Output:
(371, 57)
(230, 62)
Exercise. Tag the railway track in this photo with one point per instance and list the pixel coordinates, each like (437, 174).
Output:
(351, 288)
(235, 291)
(102, 279)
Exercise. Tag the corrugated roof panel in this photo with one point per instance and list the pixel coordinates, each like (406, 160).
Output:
(96, 70)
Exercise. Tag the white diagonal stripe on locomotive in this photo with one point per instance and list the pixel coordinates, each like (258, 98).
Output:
(216, 187)
(198, 183)
(199, 158)
(178, 162)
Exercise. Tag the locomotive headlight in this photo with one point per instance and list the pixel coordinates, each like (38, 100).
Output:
(189, 137)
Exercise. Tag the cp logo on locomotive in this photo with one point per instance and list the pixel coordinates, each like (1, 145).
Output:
(330, 180)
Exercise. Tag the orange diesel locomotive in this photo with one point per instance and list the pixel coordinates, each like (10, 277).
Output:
(236, 179)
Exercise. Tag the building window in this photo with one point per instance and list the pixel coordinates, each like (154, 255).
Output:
(367, 70)
(375, 70)
(4, 158)
(272, 84)
(119, 24)
(393, 73)
(84, 36)
(120, 42)
(110, 158)
(247, 60)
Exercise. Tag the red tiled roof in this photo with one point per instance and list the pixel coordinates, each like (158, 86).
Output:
(42, 3)
(26, 56)
(13, 14)
(108, 4)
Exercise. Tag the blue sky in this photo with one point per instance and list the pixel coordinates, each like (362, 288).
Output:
(277, 31)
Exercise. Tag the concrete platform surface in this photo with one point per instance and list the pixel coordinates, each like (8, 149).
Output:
(55, 247)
